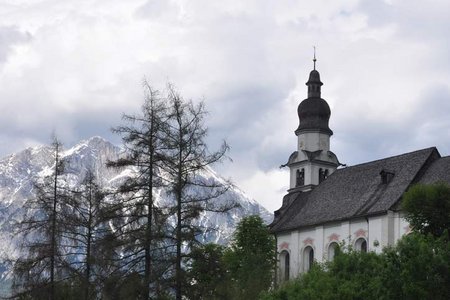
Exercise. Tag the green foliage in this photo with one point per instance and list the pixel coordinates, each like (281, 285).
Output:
(352, 275)
(250, 259)
(428, 208)
(207, 273)
(357, 274)
(241, 271)
(418, 267)
(316, 284)
(67, 290)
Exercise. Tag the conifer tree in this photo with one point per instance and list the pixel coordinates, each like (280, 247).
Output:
(39, 270)
(141, 231)
(85, 232)
(187, 155)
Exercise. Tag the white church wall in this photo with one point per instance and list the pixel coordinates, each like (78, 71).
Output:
(312, 175)
(319, 243)
(306, 238)
(292, 177)
(359, 229)
(346, 232)
(374, 230)
(295, 249)
(284, 245)
(377, 231)
(284, 241)
(397, 225)
(333, 233)
(400, 226)
(389, 223)
(313, 141)
(405, 228)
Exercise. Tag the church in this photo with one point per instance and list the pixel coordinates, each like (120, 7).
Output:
(329, 203)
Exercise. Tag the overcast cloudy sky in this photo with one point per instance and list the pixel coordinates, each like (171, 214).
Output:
(74, 67)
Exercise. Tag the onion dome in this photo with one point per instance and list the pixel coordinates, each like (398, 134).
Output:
(314, 112)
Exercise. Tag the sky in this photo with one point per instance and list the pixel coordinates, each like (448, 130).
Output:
(74, 67)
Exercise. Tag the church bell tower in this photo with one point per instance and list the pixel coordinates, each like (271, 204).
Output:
(313, 161)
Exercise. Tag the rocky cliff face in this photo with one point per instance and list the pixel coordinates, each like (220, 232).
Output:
(18, 172)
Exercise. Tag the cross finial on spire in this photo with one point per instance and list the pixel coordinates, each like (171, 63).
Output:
(314, 60)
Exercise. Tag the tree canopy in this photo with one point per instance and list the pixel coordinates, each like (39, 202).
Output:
(251, 258)
(241, 271)
(427, 208)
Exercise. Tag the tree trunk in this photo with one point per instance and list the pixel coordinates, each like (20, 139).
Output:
(53, 229)
(179, 221)
(88, 246)
(148, 266)
(148, 236)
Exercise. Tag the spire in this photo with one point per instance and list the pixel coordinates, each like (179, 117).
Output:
(314, 59)
(314, 112)
(314, 82)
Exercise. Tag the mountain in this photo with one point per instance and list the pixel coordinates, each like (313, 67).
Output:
(18, 172)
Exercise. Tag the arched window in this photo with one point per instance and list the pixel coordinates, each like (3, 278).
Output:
(364, 246)
(300, 177)
(361, 245)
(285, 265)
(308, 258)
(332, 249)
(323, 174)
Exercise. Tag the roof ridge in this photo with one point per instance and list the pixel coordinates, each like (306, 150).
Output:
(282, 218)
(389, 157)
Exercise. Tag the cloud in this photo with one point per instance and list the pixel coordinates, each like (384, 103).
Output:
(76, 66)
(11, 36)
(272, 184)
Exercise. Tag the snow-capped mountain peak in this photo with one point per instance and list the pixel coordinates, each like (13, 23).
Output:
(20, 170)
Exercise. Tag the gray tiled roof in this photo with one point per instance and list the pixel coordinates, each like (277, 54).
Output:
(439, 171)
(358, 191)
